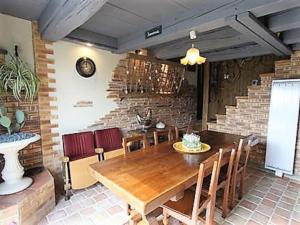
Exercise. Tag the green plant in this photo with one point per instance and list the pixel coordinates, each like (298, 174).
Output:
(6, 122)
(18, 79)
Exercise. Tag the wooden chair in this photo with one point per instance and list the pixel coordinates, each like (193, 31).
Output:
(182, 130)
(127, 141)
(188, 209)
(224, 180)
(79, 153)
(240, 166)
(166, 134)
(109, 141)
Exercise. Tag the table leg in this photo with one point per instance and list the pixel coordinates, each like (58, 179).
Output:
(138, 219)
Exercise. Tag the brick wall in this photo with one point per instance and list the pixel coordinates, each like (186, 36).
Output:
(250, 114)
(171, 109)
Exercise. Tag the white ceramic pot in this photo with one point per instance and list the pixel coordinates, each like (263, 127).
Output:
(13, 171)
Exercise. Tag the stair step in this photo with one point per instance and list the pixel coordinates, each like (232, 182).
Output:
(220, 117)
(241, 97)
(266, 75)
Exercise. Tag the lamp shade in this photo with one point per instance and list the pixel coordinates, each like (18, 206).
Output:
(192, 57)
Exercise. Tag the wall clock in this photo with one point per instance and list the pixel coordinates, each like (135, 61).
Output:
(85, 67)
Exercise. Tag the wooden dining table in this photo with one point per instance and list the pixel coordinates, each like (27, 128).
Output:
(148, 178)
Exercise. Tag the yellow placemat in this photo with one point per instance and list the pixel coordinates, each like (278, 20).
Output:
(178, 146)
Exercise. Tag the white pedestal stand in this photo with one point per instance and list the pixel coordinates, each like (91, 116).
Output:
(13, 171)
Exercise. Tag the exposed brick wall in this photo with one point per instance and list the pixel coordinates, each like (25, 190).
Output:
(43, 55)
(250, 115)
(171, 109)
(31, 156)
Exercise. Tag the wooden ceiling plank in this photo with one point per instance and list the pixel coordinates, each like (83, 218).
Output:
(179, 28)
(179, 49)
(236, 53)
(291, 36)
(60, 17)
(285, 21)
(296, 47)
(102, 41)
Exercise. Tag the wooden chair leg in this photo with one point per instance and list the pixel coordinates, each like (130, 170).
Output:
(209, 220)
(225, 209)
(241, 189)
(166, 218)
(129, 209)
(233, 192)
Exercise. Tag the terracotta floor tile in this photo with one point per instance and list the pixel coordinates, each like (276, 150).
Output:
(248, 205)
(288, 200)
(261, 218)
(251, 222)
(115, 210)
(236, 219)
(245, 213)
(268, 202)
(294, 222)
(258, 193)
(296, 216)
(266, 210)
(272, 197)
(56, 215)
(276, 191)
(100, 197)
(277, 220)
(285, 205)
(282, 212)
(254, 199)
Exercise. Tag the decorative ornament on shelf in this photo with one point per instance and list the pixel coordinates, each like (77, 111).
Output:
(7, 122)
(16, 78)
(145, 121)
(193, 54)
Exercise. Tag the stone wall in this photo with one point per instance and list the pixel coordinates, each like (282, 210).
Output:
(172, 109)
(250, 114)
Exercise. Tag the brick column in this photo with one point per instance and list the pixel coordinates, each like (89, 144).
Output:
(43, 57)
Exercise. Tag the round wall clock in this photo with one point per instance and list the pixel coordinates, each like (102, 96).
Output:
(85, 67)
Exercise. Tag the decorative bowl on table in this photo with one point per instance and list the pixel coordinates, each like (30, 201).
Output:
(191, 144)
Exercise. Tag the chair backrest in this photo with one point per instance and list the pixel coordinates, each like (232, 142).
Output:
(211, 164)
(134, 139)
(228, 156)
(78, 145)
(167, 134)
(109, 139)
(179, 132)
(242, 154)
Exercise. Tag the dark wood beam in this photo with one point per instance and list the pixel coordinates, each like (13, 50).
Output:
(180, 26)
(3, 51)
(236, 53)
(99, 40)
(250, 26)
(60, 17)
(287, 20)
(291, 36)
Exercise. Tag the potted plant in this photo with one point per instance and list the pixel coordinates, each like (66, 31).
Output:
(22, 83)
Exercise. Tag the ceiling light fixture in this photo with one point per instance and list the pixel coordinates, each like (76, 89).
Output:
(193, 54)
(89, 44)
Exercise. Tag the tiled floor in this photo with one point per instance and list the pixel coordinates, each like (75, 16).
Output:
(269, 200)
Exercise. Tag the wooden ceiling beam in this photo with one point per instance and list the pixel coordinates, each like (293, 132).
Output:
(99, 40)
(285, 21)
(236, 53)
(296, 47)
(178, 28)
(60, 17)
(249, 25)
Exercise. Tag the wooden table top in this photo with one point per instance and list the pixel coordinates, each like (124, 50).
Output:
(147, 178)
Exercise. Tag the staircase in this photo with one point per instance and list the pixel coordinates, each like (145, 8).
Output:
(250, 114)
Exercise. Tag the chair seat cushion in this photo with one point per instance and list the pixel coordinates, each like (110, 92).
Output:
(184, 206)
(85, 155)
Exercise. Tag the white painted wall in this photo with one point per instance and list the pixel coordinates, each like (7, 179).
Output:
(15, 31)
(71, 87)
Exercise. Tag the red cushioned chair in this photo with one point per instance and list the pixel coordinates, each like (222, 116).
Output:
(79, 153)
(109, 141)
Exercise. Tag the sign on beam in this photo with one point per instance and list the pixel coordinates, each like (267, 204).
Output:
(153, 32)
